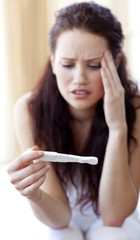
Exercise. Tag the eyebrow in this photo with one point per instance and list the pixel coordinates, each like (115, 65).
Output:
(87, 60)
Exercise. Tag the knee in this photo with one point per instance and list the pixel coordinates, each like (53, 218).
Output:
(69, 233)
(108, 233)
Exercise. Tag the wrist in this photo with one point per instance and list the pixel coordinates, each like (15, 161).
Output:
(119, 129)
(119, 132)
(36, 196)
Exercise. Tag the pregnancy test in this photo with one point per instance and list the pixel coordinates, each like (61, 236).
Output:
(65, 158)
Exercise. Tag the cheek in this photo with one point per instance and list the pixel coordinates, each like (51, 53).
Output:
(63, 75)
(62, 80)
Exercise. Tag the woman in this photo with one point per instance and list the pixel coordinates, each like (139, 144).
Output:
(84, 104)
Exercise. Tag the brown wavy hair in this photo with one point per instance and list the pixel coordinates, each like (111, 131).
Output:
(49, 111)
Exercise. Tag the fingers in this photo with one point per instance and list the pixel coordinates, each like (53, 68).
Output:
(109, 75)
(114, 104)
(27, 175)
(23, 173)
(105, 80)
(25, 159)
(31, 189)
(32, 182)
(35, 148)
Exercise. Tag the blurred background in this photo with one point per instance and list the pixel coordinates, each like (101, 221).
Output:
(24, 29)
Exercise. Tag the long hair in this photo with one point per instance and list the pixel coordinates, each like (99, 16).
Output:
(49, 111)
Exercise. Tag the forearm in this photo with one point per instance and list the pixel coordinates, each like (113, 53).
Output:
(117, 194)
(52, 212)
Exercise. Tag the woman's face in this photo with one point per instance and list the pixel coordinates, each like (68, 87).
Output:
(76, 64)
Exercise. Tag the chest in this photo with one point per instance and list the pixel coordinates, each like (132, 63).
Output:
(81, 134)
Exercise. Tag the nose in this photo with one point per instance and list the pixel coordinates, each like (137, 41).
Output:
(80, 76)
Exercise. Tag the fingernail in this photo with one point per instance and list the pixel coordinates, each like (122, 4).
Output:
(40, 153)
(108, 54)
(47, 167)
(103, 62)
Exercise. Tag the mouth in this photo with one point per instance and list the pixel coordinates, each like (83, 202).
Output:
(80, 93)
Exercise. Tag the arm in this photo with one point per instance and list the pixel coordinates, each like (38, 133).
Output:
(120, 181)
(35, 180)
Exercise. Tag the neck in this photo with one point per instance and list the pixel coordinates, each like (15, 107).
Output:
(82, 115)
(80, 126)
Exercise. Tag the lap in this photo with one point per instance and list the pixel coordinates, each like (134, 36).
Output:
(107, 233)
(130, 230)
(69, 233)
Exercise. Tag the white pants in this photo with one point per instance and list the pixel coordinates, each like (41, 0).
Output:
(101, 233)
(130, 230)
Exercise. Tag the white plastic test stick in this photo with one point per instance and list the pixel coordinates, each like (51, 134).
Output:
(59, 157)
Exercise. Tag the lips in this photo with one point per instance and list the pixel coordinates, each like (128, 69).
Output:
(80, 92)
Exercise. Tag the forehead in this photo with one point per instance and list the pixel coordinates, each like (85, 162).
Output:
(81, 43)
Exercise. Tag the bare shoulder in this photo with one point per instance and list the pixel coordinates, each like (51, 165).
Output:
(22, 103)
(23, 122)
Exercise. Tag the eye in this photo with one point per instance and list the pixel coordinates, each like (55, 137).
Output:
(94, 67)
(67, 65)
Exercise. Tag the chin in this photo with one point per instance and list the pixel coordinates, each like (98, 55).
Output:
(82, 106)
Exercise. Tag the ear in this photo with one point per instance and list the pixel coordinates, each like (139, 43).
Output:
(52, 59)
(118, 60)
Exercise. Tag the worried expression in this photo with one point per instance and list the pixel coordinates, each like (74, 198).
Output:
(76, 64)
